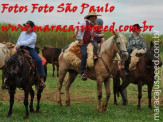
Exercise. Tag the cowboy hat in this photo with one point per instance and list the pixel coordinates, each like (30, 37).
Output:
(31, 23)
(91, 14)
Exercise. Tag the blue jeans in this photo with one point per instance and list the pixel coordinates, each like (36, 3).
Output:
(84, 58)
(38, 61)
(95, 47)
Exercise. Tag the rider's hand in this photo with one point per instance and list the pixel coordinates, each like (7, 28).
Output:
(16, 47)
(102, 35)
(80, 43)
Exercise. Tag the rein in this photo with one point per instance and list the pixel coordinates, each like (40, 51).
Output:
(105, 64)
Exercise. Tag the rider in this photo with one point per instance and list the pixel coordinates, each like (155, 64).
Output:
(97, 36)
(84, 38)
(135, 41)
(28, 39)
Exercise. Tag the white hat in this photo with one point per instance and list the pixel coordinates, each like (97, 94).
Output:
(91, 14)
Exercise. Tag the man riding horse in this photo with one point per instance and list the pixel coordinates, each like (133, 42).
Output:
(28, 39)
(84, 38)
(135, 41)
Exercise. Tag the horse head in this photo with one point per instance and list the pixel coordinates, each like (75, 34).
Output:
(13, 68)
(121, 43)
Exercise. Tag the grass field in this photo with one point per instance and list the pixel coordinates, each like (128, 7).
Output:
(82, 93)
(83, 105)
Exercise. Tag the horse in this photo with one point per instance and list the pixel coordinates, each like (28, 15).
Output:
(4, 56)
(144, 68)
(21, 72)
(100, 72)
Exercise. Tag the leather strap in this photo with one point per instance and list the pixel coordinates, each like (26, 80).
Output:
(106, 66)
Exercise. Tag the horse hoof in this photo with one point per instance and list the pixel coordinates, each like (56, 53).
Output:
(8, 116)
(138, 108)
(150, 107)
(67, 103)
(26, 117)
(32, 111)
(104, 109)
(100, 110)
(124, 104)
(115, 103)
(37, 111)
(60, 104)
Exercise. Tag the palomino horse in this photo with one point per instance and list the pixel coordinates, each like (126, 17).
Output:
(143, 74)
(4, 56)
(100, 72)
(21, 72)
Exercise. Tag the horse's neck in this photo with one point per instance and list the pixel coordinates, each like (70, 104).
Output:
(143, 63)
(109, 54)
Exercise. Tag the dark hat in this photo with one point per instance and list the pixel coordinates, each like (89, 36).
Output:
(30, 23)
(137, 25)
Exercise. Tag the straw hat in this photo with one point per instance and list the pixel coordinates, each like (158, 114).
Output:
(91, 14)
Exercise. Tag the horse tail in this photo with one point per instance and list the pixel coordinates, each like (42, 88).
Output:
(162, 77)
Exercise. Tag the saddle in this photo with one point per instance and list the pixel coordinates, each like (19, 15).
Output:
(135, 57)
(26, 53)
(73, 55)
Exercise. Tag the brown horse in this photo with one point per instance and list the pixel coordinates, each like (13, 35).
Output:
(21, 72)
(143, 74)
(100, 72)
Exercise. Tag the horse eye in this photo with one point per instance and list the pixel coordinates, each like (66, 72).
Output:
(118, 43)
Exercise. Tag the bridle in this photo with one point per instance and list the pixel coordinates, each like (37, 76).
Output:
(105, 64)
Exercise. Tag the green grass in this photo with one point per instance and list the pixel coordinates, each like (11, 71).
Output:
(83, 105)
(83, 93)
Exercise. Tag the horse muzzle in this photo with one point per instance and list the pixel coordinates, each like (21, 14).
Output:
(124, 55)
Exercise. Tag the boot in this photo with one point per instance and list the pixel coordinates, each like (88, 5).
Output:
(84, 77)
(42, 83)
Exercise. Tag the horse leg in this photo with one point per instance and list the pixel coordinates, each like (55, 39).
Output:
(60, 82)
(99, 94)
(72, 76)
(3, 76)
(57, 70)
(149, 96)
(53, 68)
(31, 103)
(12, 93)
(38, 100)
(116, 81)
(122, 91)
(26, 92)
(139, 95)
(107, 89)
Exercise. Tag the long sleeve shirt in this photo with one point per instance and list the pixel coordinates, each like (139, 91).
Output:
(27, 39)
(138, 43)
(80, 34)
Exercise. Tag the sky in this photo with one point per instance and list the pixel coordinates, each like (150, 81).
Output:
(126, 12)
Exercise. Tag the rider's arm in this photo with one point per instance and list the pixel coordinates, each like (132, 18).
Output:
(130, 46)
(29, 41)
(81, 33)
(144, 44)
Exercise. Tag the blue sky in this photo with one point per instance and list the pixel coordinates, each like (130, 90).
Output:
(127, 12)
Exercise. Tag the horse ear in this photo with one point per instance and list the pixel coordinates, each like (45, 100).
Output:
(115, 34)
(151, 44)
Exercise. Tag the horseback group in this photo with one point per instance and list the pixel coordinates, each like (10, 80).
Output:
(25, 69)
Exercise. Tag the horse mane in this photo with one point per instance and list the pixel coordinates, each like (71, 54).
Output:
(107, 44)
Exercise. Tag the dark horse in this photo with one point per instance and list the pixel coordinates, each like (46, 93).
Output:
(143, 74)
(21, 72)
